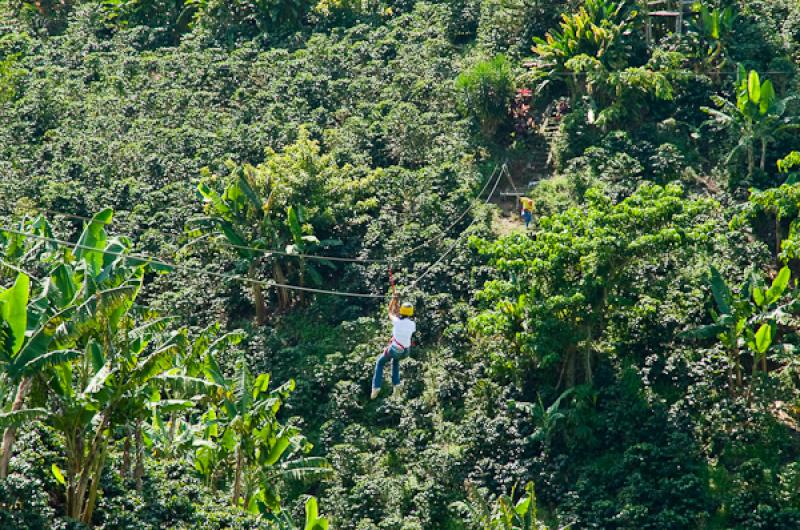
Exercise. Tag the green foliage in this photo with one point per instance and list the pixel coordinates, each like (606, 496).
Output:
(486, 90)
(593, 31)
(714, 25)
(8, 75)
(758, 117)
(14, 312)
(620, 97)
(737, 317)
(243, 427)
(275, 206)
(345, 115)
(553, 301)
(231, 20)
(111, 377)
(313, 520)
(779, 207)
(593, 34)
(788, 162)
(504, 513)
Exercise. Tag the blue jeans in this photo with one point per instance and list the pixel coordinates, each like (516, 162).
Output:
(527, 217)
(394, 353)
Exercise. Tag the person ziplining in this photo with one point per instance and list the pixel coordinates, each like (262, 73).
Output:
(399, 314)
(399, 347)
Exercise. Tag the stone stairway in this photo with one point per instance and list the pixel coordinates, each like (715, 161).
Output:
(523, 176)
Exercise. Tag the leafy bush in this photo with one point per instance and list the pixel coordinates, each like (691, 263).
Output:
(486, 91)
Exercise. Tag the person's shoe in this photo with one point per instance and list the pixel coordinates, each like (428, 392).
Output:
(375, 392)
(397, 389)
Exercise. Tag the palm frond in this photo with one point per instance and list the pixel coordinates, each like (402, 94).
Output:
(19, 418)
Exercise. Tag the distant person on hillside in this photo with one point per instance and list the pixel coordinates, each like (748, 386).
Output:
(399, 347)
(527, 210)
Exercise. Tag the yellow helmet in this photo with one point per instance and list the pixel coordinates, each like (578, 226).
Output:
(407, 310)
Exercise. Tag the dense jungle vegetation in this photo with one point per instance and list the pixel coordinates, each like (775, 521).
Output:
(630, 361)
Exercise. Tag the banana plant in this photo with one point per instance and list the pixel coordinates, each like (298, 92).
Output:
(182, 385)
(747, 319)
(595, 32)
(251, 208)
(245, 214)
(243, 217)
(13, 323)
(105, 389)
(546, 419)
(757, 117)
(103, 385)
(504, 513)
(29, 241)
(242, 428)
(34, 328)
(713, 25)
(313, 520)
(83, 357)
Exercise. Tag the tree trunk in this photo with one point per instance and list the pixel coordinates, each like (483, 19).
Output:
(237, 481)
(283, 294)
(89, 469)
(751, 162)
(88, 509)
(74, 442)
(763, 154)
(777, 236)
(261, 307)
(10, 434)
(258, 297)
(751, 387)
(731, 385)
(588, 356)
(738, 363)
(139, 471)
(302, 275)
(571, 366)
(125, 466)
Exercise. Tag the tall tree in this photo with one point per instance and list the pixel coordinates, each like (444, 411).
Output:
(275, 206)
(554, 294)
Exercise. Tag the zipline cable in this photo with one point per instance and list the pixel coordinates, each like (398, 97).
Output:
(185, 268)
(268, 252)
(460, 217)
(244, 279)
(269, 284)
(460, 236)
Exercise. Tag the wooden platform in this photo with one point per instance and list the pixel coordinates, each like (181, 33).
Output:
(676, 10)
